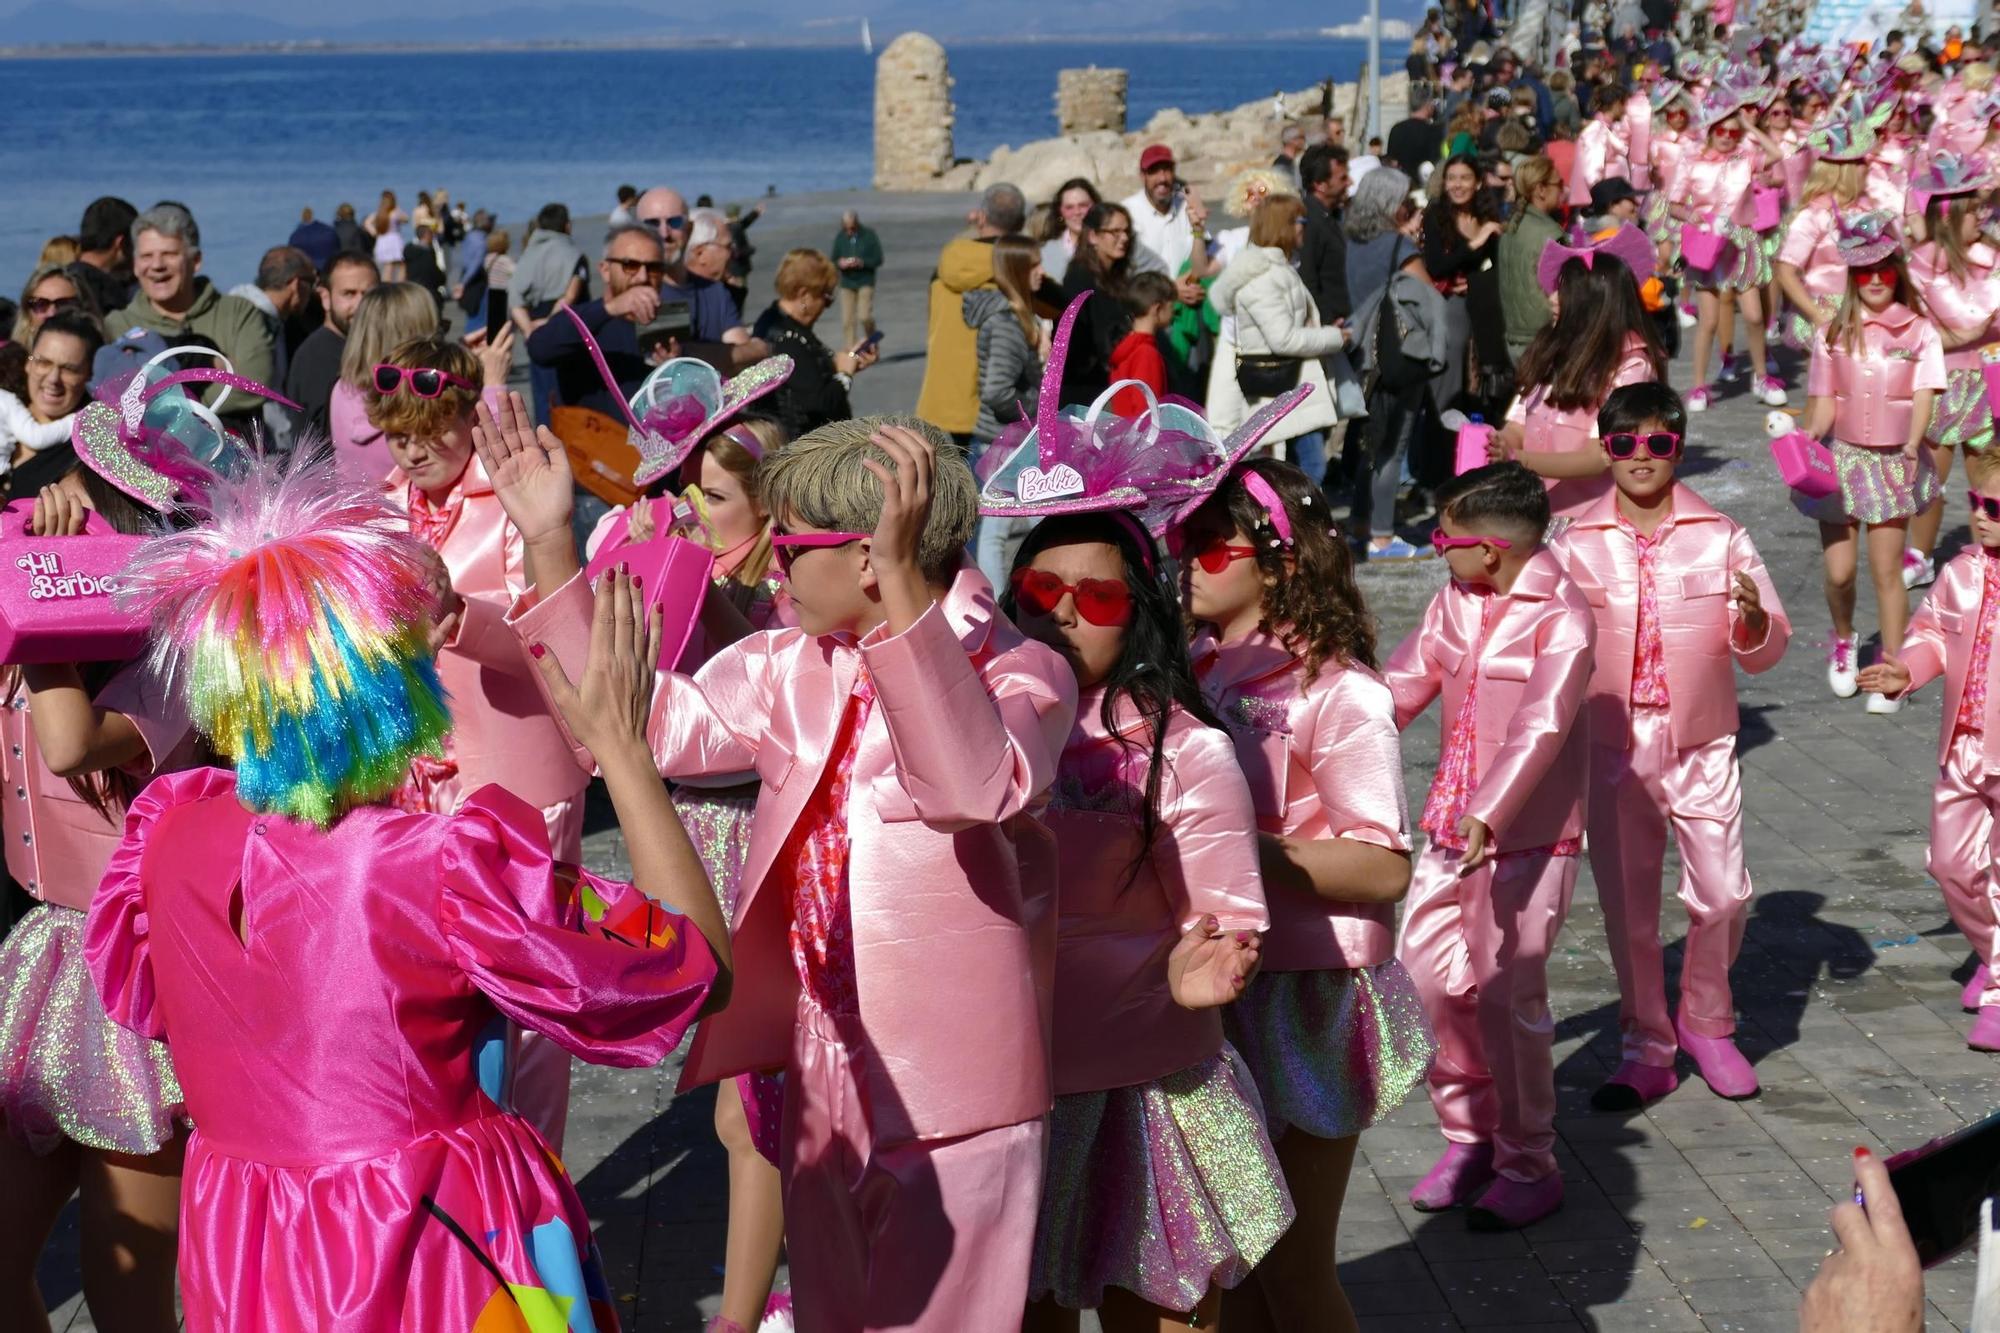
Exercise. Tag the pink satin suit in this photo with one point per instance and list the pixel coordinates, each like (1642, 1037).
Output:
(1478, 945)
(1809, 246)
(1663, 751)
(1873, 387)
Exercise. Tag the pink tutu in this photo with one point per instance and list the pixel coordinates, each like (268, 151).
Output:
(66, 1070)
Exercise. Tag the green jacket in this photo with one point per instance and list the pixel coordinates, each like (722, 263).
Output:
(863, 245)
(236, 327)
(1522, 300)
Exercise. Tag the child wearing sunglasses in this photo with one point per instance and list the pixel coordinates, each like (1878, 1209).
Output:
(1951, 635)
(1507, 643)
(1876, 373)
(423, 400)
(1158, 914)
(1679, 593)
(1331, 1028)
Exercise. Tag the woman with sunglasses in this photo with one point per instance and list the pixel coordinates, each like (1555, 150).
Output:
(1876, 373)
(35, 428)
(49, 290)
(1714, 194)
(1331, 1028)
(423, 398)
(388, 315)
(817, 391)
(1162, 1186)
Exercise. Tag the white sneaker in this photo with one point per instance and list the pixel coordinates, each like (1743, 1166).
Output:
(1918, 570)
(1882, 703)
(1771, 391)
(1840, 666)
(1687, 317)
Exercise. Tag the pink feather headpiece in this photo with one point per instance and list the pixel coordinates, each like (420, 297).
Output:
(1627, 244)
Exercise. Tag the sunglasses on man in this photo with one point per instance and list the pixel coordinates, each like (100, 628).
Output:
(632, 268)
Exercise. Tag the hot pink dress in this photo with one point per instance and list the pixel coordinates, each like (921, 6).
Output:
(325, 995)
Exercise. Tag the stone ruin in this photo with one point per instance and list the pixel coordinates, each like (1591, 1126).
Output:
(913, 114)
(1090, 99)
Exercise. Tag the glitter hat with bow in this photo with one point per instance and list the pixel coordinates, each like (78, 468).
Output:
(1666, 95)
(1746, 83)
(682, 403)
(1865, 238)
(1848, 134)
(1716, 105)
(1945, 173)
(1156, 467)
(156, 443)
(1700, 68)
(1627, 244)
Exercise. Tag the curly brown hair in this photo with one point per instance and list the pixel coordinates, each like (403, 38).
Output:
(1311, 600)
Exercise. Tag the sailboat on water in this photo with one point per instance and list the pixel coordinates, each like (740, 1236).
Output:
(867, 38)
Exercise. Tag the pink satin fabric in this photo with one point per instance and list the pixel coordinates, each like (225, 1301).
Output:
(1716, 186)
(1553, 430)
(1602, 149)
(1638, 127)
(1477, 946)
(1795, 165)
(329, 1062)
(1965, 845)
(57, 845)
(1942, 632)
(1961, 304)
(1533, 674)
(1888, 184)
(359, 455)
(1670, 150)
(1702, 633)
(1873, 387)
(1809, 246)
(1116, 1025)
(1323, 761)
(934, 1236)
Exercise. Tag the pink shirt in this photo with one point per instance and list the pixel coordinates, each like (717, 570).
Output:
(1961, 304)
(1716, 186)
(1649, 661)
(1943, 640)
(1809, 246)
(1602, 148)
(1323, 761)
(1872, 387)
(1971, 714)
(1670, 150)
(1888, 184)
(1548, 428)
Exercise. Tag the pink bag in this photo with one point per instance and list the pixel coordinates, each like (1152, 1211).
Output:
(1770, 207)
(1472, 438)
(1805, 464)
(1700, 247)
(675, 572)
(56, 593)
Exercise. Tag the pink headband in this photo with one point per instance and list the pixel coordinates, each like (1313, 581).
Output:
(1261, 491)
(745, 439)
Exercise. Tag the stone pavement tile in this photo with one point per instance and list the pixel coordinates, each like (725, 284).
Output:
(1738, 1159)
(1399, 1264)
(1743, 1260)
(1674, 1316)
(1605, 1252)
(1485, 1292)
(1414, 1323)
(1644, 1282)
(1374, 1299)
(1732, 1295)
(1752, 1321)
(1792, 1183)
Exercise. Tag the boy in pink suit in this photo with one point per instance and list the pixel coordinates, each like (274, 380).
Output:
(1604, 146)
(1951, 635)
(1679, 593)
(896, 918)
(1508, 645)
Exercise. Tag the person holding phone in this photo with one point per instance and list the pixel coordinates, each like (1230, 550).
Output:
(816, 393)
(633, 267)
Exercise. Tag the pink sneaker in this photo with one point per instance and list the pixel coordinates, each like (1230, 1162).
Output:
(1510, 1204)
(1460, 1175)
(1985, 1034)
(1968, 999)
(1633, 1086)
(1721, 1065)
(1699, 398)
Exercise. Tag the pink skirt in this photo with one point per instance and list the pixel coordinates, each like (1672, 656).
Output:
(1876, 486)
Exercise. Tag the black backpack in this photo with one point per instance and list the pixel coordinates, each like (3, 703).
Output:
(1394, 372)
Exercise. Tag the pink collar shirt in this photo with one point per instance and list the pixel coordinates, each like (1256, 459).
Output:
(1962, 304)
(1716, 186)
(1873, 386)
(1809, 246)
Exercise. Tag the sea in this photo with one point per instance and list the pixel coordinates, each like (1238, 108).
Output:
(246, 141)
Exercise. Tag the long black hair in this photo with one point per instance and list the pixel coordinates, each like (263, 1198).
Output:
(1441, 214)
(1153, 670)
(1577, 354)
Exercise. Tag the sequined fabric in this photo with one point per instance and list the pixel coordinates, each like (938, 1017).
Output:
(822, 935)
(1963, 416)
(1451, 789)
(1164, 1189)
(1332, 1051)
(1745, 262)
(1972, 706)
(1649, 656)
(66, 1070)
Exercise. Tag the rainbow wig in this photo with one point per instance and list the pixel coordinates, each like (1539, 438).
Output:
(293, 626)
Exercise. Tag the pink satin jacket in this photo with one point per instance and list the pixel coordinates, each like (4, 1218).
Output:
(1873, 387)
(57, 845)
(1602, 151)
(1323, 761)
(1889, 176)
(1795, 165)
(1547, 428)
(1939, 643)
(1700, 628)
(1952, 302)
(1534, 670)
(503, 729)
(1115, 1022)
(1717, 186)
(952, 879)
(1670, 151)
(1639, 139)
(1809, 247)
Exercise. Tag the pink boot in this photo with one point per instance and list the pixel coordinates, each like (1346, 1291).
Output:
(1510, 1205)
(1968, 999)
(1722, 1066)
(1985, 1034)
(1456, 1180)
(1633, 1086)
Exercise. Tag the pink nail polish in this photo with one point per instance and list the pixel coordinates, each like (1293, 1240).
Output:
(536, 650)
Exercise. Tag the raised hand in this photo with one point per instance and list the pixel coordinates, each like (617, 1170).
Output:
(607, 711)
(1209, 966)
(528, 468)
(496, 358)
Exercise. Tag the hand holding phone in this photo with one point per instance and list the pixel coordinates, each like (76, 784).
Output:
(869, 344)
(1939, 1187)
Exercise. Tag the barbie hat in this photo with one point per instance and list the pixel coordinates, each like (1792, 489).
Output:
(1846, 135)
(1627, 244)
(1945, 173)
(1665, 93)
(1717, 105)
(1865, 239)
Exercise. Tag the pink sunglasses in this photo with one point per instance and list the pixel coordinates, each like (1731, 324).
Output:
(1442, 543)
(424, 382)
(785, 544)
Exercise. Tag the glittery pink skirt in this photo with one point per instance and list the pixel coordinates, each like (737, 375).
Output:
(1335, 1050)
(1963, 418)
(717, 820)
(1164, 1188)
(1744, 263)
(1876, 485)
(66, 1070)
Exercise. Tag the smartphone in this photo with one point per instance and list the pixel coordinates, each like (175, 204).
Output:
(674, 319)
(1941, 1185)
(496, 311)
(873, 340)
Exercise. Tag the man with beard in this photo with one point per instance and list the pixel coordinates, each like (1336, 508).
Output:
(316, 367)
(633, 267)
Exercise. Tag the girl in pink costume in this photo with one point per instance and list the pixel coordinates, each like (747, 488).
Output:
(1890, 164)
(422, 397)
(1714, 192)
(1603, 147)
(1600, 339)
(1956, 274)
(1331, 1028)
(1671, 146)
(368, 1182)
(1809, 268)
(1507, 644)
(1876, 372)
(1951, 635)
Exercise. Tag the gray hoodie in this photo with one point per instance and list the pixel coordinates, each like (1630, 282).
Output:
(1010, 373)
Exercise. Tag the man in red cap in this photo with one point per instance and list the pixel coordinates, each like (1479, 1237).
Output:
(1166, 219)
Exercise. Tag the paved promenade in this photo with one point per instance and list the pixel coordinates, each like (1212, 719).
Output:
(1700, 1214)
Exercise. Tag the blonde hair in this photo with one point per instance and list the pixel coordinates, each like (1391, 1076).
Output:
(1843, 180)
(1251, 188)
(1275, 223)
(60, 250)
(803, 271)
(26, 324)
(1014, 259)
(1530, 175)
(743, 465)
(1976, 78)
(403, 412)
(389, 315)
(818, 479)
(1982, 465)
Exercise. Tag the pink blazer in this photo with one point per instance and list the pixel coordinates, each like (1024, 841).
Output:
(1323, 761)
(1809, 247)
(1547, 428)
(1718, 187)
(1952, 302)
(1638, 127)
(1889, 176)
(1601, 150)
(952, 878)
(503, 729)
(1669, 151)
(1115, 1022)
(1533, 671)
(1873, 387)
(1700, 629)
(1940, 640)
(57, 845)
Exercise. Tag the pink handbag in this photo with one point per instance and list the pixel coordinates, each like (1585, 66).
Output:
(56, 593)
(1701, 247)
(675, 572)
(1770, 207)
(1472, 438)
(1805, 464)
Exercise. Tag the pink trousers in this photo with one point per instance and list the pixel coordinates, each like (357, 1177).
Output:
(1477, 947)
(934, 1235)
(1964, 845)
(540, 1089)
(1635, 795)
